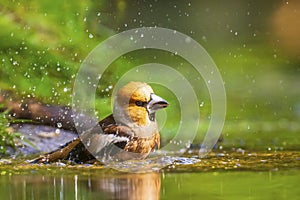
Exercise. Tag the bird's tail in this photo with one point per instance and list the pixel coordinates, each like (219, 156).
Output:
(57, 155)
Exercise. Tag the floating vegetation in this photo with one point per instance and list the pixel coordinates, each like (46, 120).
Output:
(215, 161)
(237, 160)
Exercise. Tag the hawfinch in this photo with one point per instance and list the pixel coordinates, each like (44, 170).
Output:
(130, 132)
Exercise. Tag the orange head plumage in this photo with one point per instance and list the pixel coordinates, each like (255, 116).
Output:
(136, 104)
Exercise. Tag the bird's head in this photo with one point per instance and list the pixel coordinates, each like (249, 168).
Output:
(136, 104)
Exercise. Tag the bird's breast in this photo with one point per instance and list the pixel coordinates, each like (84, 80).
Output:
(143, 145)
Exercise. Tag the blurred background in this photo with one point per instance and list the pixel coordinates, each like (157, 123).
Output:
(255, 44)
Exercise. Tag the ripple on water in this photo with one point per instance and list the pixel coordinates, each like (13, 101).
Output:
(150, 164)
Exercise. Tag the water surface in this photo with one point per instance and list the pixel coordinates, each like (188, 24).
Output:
(203, 185)
(221, 175)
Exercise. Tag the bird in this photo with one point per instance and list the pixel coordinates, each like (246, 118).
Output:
(130, 132)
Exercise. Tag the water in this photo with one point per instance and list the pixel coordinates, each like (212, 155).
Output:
(84, 184)
(220, 175)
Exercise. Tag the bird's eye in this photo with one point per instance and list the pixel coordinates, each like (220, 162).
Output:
(139, 103)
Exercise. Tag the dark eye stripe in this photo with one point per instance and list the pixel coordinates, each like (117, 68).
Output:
(141, 103)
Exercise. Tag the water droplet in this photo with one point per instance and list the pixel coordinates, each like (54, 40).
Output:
(59, 124)
(201, 104)
(187, 40)
(88, 142)
(91, 35)
(57, 131)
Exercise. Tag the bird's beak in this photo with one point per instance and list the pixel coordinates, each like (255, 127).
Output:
(156, 103)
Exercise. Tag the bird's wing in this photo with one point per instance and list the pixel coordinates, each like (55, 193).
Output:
(106, 138)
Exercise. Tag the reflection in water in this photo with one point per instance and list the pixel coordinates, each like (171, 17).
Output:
(129, 186)
(124, 186)
(98, 184)
(67, 184)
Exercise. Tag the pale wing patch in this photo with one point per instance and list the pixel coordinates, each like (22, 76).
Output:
(96, 142)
